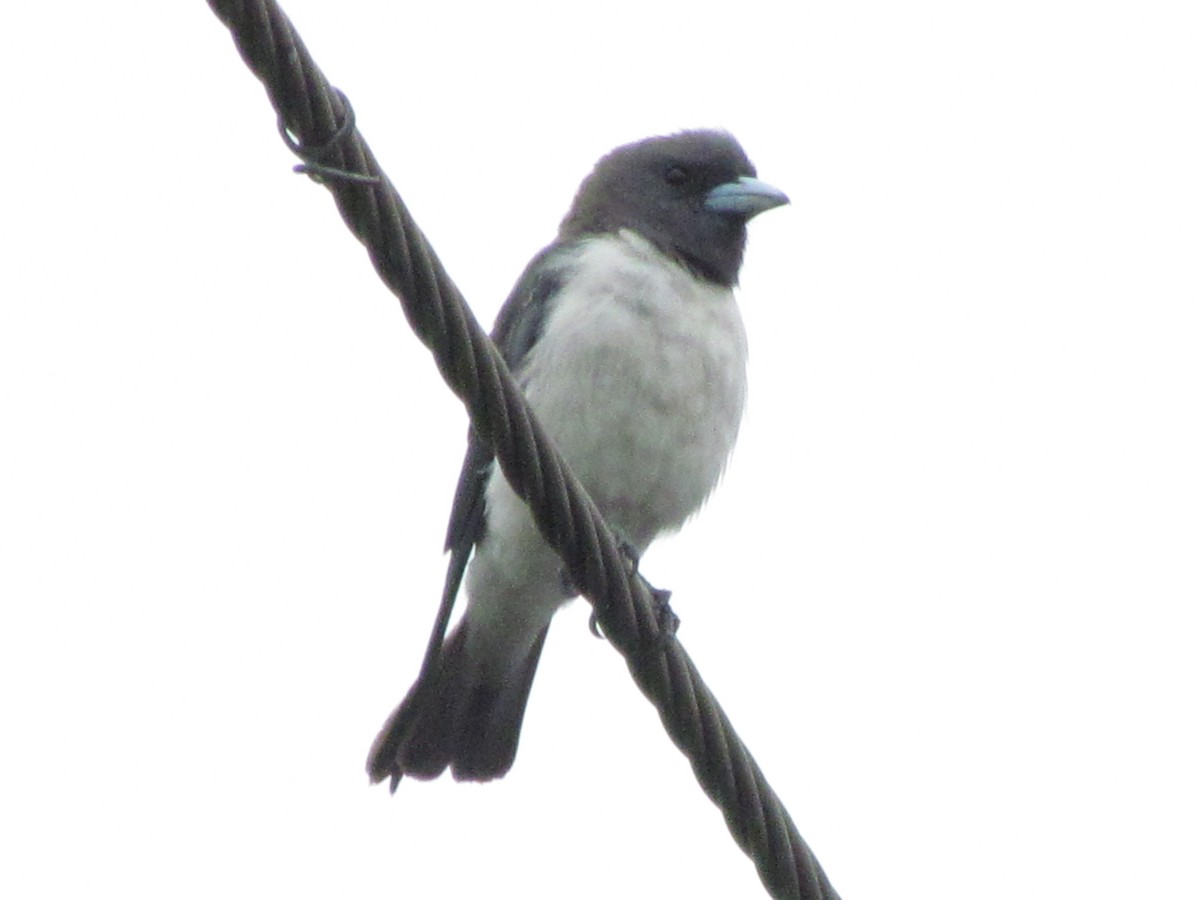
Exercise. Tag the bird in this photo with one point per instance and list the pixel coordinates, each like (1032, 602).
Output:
(627, 341)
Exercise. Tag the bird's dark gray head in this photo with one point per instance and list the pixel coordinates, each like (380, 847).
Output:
(690, 194)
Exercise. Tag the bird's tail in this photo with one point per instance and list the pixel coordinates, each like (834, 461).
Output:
(455, 716)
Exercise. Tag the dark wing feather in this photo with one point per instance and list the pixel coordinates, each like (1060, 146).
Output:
(517, 329)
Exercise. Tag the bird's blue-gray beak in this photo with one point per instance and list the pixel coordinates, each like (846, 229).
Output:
(746, 197)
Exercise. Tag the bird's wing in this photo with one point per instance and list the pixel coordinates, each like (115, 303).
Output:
(517, 329)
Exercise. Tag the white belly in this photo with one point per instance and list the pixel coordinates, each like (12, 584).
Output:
(639, 377)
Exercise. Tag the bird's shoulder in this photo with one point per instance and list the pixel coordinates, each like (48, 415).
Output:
(522, 318)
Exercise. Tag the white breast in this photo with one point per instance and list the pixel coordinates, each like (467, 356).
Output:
(640, 378)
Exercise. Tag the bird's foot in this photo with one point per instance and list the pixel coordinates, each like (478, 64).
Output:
(668, 622)
(664, 616)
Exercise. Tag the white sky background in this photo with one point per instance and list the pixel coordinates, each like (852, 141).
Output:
(947, 591)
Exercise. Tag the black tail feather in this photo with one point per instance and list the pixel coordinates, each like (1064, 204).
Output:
(453, 718)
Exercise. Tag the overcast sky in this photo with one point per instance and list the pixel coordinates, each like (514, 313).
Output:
(947, 591)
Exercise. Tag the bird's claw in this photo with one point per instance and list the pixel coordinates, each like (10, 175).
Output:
(664, 616)
(668, 622)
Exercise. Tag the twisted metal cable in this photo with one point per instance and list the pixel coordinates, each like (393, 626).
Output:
(319, 125)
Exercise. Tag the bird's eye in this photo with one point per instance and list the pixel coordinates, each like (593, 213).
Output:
(676, 175)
